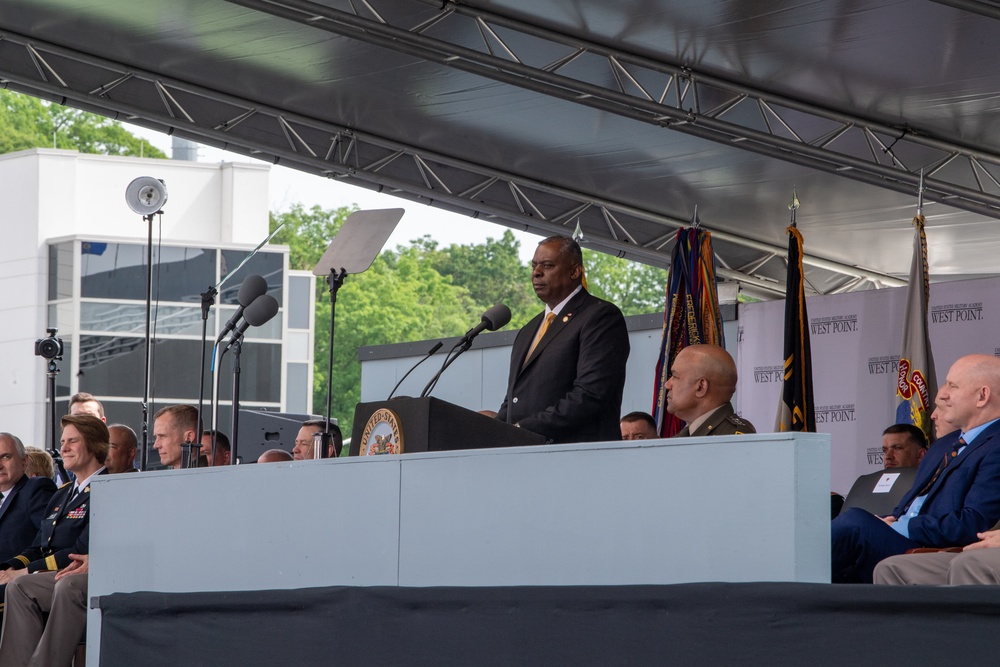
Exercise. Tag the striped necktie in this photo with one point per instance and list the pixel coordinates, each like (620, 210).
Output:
(944, 464)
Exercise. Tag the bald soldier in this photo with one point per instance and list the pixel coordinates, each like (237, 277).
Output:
(701, 385)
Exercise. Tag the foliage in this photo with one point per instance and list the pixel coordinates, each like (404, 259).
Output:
(28, 122)
(635, 288)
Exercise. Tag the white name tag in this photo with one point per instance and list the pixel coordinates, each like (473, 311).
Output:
(885, 482)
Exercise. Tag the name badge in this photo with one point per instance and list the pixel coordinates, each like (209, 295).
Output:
(885, 482)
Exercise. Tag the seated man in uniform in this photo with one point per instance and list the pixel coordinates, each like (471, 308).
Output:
(701, 385)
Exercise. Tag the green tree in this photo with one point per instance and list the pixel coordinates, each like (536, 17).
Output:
(492, 272)
(635, 288)
(28, 122)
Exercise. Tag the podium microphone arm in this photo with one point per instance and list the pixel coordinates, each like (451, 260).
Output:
(437, 346)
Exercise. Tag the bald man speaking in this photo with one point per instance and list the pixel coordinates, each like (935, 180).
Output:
(701, 386)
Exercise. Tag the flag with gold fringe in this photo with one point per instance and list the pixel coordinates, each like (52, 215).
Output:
(916, 381)
(797, 409)
(691, 314)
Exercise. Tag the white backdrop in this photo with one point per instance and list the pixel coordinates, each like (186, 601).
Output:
(856, 339)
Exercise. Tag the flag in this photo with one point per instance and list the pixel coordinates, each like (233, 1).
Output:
(691, 314)
(916, 379)
(797, 411)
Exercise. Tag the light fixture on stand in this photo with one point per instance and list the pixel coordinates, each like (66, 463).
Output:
(146, 196)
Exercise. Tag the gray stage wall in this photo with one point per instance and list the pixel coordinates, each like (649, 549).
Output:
(478, 380)
(738, 509)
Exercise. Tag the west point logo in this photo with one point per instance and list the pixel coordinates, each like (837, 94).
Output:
(828, 414)
(835, 324)
(766, 374)
(883, 365)
(957, 312)
(875, 456)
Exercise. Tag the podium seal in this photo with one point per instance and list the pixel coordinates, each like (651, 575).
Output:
(382, 434)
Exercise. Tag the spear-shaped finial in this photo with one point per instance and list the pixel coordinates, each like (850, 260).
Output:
(695, 222)
(793, 205)
(578, 232)
(920, 194)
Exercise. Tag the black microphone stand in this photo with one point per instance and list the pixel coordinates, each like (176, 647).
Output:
(207, 301)
(237, 344)
(53, 370)
(335, 280)
(462, 346)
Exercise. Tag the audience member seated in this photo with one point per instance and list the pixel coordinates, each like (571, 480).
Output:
(977, 563)
(83, 403)
(275, 456)
(303, 449)
(222, 447)
(22, 499)
(638, 426)
(65, 529)
(701, 385)
(28, 638)
(173, 426)
(956, 493)
(121, 453)
(39, 463)
(903, 446)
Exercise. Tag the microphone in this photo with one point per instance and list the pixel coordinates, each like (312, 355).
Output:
(251, 288)
(437, 346)
(495, 317)
(263, 308)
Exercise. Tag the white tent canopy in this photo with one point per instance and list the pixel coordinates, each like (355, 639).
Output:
(622, 116)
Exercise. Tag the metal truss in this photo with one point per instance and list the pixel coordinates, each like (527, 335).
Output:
(248, 127)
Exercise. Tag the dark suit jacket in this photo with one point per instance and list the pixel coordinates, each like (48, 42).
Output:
(965, 498)
(21, 514)
(570, 390)
(65, 530)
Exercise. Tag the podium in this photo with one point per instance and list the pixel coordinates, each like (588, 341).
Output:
(430, 425)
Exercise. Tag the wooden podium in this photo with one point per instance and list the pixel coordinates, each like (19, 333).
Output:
(430, 425)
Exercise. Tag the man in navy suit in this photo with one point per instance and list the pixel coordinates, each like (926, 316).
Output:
(24, 499)
(567, 366)
(956, 493)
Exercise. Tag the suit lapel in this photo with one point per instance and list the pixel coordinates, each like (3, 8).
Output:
(562, 320)
(981, 440)
(9, 497)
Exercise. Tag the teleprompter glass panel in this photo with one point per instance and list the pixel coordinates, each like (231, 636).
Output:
(270, 265)
(118, 271)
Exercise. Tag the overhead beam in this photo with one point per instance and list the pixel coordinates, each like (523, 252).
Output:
(354, 156)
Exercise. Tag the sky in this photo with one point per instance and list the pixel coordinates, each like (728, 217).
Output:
(289, 186)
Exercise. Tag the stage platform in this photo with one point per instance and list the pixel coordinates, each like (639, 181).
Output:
(751, 508)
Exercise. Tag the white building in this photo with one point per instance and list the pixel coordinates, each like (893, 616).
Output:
(74, 258)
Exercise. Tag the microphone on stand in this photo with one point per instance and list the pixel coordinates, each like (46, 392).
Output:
(260, 311)
(494, 318)
(251, 288)
(437, 346)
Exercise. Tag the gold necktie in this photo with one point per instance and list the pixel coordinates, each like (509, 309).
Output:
(541, 332)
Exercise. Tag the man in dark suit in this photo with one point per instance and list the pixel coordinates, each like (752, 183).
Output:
(956, 493)
(24, 499)
(567, 366)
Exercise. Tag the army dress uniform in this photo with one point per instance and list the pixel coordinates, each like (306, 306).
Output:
(724, 421)
(65, 530)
